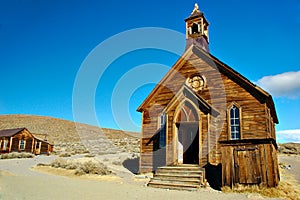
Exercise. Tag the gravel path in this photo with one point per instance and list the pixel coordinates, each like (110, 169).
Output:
(21, 167)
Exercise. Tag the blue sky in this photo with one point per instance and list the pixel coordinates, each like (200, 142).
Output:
(43, 44)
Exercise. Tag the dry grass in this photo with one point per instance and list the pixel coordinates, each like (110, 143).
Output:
(283, 190)
(67, 149)
(89, 155)
(88, 167)
(16, 155)
(127, 141)
(65, 154)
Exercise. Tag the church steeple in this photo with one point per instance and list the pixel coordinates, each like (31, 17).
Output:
(197, 29)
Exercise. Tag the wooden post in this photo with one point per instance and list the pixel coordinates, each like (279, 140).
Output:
(10, 144)
(32, 145)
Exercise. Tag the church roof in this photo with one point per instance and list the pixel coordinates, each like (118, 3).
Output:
(255, 90)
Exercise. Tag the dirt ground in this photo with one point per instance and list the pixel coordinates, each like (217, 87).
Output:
(19, 179)
(291, 170)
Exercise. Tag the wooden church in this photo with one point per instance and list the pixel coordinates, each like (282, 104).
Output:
(203, 115)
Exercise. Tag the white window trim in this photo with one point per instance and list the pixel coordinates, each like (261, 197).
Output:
(39, 145)
(24, 146)
(229, 121)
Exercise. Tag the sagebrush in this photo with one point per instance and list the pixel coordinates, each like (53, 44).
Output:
(16, 155)
(87, 167)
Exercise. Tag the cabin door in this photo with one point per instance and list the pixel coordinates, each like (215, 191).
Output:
(246, 167)
(38, 147)
(188, 144)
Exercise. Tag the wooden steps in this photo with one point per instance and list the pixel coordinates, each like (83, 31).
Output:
(181, 177)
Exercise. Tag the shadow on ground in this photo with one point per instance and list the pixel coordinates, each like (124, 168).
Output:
(132, 164)
(214, 176)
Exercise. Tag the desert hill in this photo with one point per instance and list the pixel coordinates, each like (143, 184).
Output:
(74, 137)
(289, 148)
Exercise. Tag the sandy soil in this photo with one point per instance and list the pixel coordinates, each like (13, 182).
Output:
(292, 172)
(19, 180)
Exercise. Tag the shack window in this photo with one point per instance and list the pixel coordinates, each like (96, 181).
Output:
(22, 144)
(162, 132)
(235, 131)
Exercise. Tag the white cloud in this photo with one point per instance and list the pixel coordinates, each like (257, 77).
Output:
(288, 135)
(282, 85)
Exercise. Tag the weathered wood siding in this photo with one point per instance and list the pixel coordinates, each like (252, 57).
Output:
(250, 164)
(221, 91)
(44, 148)
(28, 146)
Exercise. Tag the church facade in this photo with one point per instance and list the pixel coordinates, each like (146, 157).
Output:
(205, 113)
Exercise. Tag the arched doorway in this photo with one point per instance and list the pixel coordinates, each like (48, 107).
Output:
(187, 124)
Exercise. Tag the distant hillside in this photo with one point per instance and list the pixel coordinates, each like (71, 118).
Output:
(61, 132)
(289, 148)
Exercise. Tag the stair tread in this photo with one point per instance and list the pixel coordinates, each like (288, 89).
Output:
(174, 187)
(179, 171)
(182, 165)
(175, 184)
(179, 167)
(179, 175)
(179, 180)
(182, 177)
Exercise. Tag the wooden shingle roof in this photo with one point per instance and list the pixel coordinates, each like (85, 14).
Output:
(10, 132)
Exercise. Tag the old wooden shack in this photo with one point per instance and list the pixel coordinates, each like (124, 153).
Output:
(204, 113)
(21, 140)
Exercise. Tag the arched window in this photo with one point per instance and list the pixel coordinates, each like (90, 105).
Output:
(187, 113)
(235, 129)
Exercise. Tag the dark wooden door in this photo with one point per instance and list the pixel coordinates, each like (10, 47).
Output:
(189, 138)
(246, 167)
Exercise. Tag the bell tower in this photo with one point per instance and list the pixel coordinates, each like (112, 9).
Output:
(197, 29)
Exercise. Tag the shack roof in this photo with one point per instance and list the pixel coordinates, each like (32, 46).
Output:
(10, 132)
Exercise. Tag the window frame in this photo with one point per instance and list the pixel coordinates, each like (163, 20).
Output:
(37, 145)
(230, 134)
(24, 144)
(162, 130)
